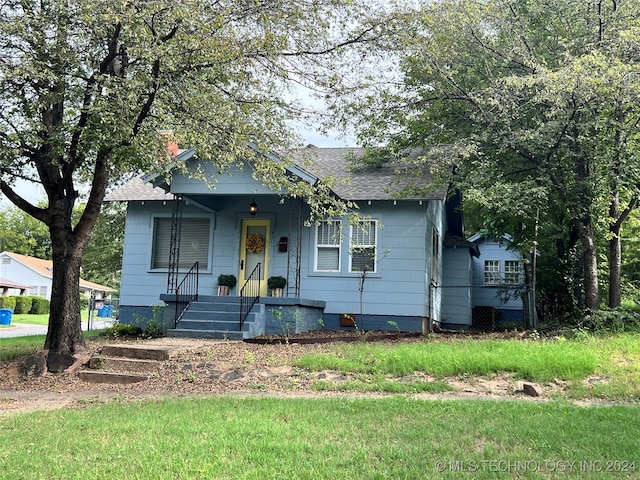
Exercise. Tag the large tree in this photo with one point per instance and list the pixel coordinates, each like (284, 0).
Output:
(85, 87)
(533, 104)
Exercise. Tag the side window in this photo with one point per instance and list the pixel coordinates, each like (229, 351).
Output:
(328, 239)
(491, 272)
(513, 272)
(194, 242)
(363, 246)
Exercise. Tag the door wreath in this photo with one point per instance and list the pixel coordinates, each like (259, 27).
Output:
(255, 243)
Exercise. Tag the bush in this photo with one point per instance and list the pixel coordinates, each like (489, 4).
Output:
(23, 304)
(227, 280)
(8, 302)
(615, 320)
(276, 282)
(122, 330)
(39, 306)
(84, 301)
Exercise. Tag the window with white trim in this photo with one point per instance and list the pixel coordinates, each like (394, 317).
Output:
(328, 239)
(364, 237)
(513, 272)
(491, 272)
(195, 238)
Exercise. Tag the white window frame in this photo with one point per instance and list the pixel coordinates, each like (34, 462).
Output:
(357, 239)
(491, 272)
(187, 259)
(513, 276)
(332, 241)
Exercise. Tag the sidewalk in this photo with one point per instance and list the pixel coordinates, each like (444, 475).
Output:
(24, 329)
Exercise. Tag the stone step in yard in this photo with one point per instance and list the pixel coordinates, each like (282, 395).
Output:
(125, 364)
(119, 364)
(142, 352)
(116, 378)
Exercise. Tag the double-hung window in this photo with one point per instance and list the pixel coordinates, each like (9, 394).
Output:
(195, 239)
(512, 272)
(511, 275)
(364, 238)
(491, 272)
(328, 240)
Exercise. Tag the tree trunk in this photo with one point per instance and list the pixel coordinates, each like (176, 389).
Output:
(591, 292)
(65, 324)
(615, 270)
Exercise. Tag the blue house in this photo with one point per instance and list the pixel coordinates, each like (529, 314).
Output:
(498, 284)
(385, 272)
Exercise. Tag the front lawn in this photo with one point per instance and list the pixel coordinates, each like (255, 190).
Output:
(335, 438)
(18, 346)
(532, 360)
(42, 319)
(606, 367)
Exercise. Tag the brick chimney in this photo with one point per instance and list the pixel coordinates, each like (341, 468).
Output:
(166, 137)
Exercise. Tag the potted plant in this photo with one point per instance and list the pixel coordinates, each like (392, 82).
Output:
(226, 283)
(276, 284)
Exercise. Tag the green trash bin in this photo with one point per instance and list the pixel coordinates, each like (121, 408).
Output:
(5, 316)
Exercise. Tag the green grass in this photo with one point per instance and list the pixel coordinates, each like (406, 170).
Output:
(604, 367)
(17, 346)
(618, 368)
(532, 360)
(42, 319)
(229, 438)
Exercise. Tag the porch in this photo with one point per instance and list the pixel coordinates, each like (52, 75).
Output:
(213, 316)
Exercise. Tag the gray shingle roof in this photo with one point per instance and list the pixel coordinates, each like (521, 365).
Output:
(137, 189)
(368, 183)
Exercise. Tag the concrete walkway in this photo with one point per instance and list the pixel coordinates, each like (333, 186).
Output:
(24, 329)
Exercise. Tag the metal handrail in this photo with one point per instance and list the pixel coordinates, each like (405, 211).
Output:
(249, 294)
(189, 288)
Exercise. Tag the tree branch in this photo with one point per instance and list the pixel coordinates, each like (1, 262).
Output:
(358, 39)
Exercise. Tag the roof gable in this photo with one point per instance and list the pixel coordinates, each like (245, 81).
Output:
(38, 265)
(309, 164)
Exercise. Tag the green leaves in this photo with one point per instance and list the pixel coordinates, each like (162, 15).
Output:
(534, 102)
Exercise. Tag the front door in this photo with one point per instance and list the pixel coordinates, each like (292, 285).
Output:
(254, 249)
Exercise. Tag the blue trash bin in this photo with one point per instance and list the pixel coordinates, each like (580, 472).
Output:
(5, 316)
(102, 312)
(109, 309)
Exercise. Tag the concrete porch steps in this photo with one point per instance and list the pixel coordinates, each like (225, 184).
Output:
(125, 364)
(215, 318)
(212, 334)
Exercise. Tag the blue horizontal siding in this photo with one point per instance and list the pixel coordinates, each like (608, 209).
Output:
(399, 288)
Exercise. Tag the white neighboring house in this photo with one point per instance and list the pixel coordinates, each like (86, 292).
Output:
(25, 275)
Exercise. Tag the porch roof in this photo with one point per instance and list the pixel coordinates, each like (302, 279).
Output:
(137, 189)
